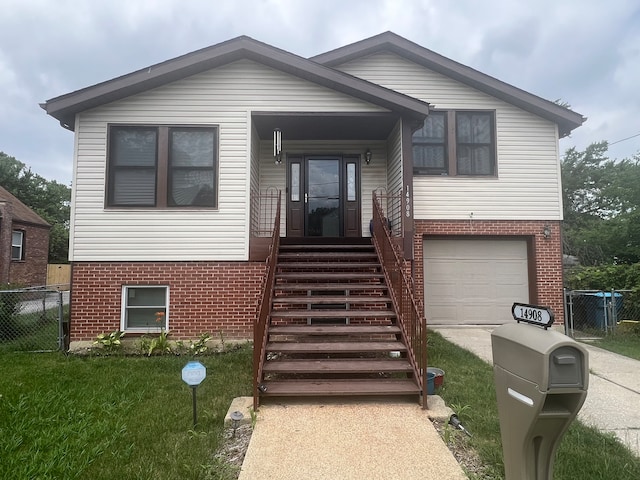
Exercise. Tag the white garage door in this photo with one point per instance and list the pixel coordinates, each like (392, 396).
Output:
(474, 282)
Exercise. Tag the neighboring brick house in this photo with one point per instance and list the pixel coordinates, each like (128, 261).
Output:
(169, 159)
(24, 243)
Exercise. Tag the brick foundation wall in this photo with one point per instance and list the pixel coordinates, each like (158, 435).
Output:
(545, 254)
(213, 297)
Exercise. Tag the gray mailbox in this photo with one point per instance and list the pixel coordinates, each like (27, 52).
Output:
(541, 379)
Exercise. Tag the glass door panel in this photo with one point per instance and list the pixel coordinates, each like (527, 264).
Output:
(323, 198)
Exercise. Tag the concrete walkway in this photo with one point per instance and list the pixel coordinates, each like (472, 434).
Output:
(613, 398)
(347, 440)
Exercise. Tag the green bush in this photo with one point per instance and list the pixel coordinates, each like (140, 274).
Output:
(609, 277)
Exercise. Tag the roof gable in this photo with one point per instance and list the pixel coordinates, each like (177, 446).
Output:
(65, 107)
(566, 119)
(20, 211)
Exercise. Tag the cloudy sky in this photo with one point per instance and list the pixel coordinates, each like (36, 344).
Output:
(584, 52)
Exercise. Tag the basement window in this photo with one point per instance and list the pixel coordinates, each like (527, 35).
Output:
(145, 308)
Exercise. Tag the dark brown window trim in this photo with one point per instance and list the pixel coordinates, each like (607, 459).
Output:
(162, 167)
(451, 143)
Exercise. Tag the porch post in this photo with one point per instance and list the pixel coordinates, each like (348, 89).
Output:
(407, 187)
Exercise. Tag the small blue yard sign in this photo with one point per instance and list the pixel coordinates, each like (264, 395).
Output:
(194, 373)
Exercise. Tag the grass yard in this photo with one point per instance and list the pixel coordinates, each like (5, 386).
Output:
(468, 387)
(114, 417)
(627, 344)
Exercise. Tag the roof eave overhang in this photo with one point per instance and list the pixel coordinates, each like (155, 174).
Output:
(65, 107)
(566, 119)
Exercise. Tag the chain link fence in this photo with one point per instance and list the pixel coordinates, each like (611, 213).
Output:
(32, 320)
(598, 312)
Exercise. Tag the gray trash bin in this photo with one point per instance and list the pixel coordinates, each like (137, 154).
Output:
(541, 379)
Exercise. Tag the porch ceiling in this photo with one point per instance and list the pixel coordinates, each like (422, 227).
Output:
(325, 126)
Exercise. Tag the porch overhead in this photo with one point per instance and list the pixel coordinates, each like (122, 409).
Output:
(326, 125)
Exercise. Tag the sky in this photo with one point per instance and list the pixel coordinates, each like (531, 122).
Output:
(584, 52)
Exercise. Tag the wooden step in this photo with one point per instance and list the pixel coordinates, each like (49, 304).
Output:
(328, 247)
(383, 386)
(335, 347)
(335, 330)
(328, 255)
(303, 313)
(313, 276)
(323, 300)
(330, 286)
(341, 265)
(328, 366)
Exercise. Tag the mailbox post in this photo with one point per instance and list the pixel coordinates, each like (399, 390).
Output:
(541, 379)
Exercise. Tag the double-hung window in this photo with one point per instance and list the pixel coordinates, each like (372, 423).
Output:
(430, 146)
(17, 245)
(145, 308)
(163, 167)
(456, 143)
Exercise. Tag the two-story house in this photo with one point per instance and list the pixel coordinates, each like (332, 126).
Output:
(177, 168)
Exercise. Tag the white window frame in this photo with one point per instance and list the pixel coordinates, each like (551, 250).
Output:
(124, 307)
(21, 246)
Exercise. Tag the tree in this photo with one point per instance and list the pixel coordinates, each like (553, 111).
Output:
(601, 206)
(48, 198)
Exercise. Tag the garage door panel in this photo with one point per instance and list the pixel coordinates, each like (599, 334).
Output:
(474, 281)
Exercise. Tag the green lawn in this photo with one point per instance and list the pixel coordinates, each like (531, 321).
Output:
(627, 344)
(584, 453)
(131, 417)
(114, 417)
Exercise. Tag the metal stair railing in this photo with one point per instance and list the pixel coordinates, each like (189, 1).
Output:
(412, 323)
(263, 308)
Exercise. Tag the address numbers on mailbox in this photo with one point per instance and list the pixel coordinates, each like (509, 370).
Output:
(542, 316)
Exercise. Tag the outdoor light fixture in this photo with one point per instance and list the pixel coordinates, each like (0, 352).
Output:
(546, 231)
(235, 418)
(367, 156)
(277, 145)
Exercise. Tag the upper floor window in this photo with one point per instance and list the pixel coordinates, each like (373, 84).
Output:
(456, 143)
(17, 245)
(162, 166)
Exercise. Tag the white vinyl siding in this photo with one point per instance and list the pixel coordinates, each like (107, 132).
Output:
(474, 282)
(527, 186)
(222, 97)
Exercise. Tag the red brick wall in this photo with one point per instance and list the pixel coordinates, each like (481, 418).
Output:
(32, 271)
(213, 297)
(545, 254)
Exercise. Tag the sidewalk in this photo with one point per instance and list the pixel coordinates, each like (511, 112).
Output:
(613, 398)
(342, 439)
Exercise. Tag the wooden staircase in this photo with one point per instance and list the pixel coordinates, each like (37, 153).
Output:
(333, 329)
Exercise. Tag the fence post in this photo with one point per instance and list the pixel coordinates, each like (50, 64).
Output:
(60, 322)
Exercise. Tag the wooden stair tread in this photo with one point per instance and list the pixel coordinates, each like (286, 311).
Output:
(334, 329)
(327, 254)
(384, 386)
(335, 347)
(319, 299)
(333, 264)
(329, 286)
(330, 247)
(311, 276)
(337, 366)
(300, 313)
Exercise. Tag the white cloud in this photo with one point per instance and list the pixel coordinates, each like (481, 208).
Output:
(582, 51)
